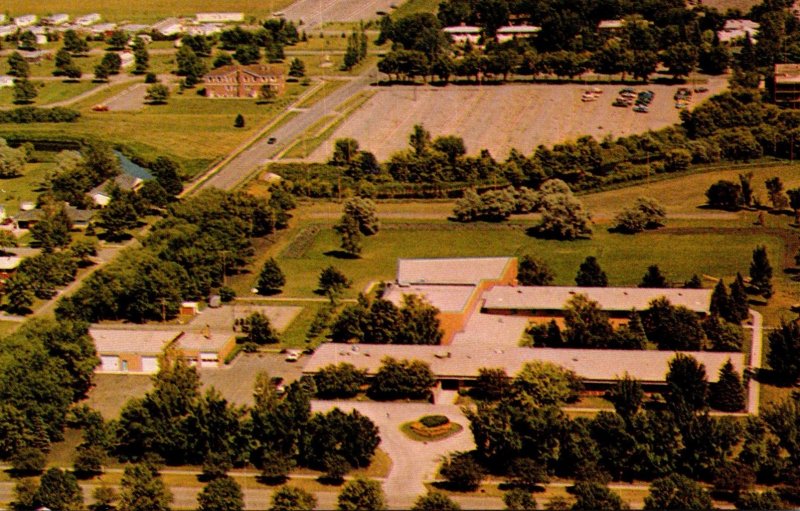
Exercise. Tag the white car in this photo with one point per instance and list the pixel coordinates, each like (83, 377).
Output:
(292, 355)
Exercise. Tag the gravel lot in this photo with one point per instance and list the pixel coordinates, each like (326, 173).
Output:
(499, 118)
(317, 12)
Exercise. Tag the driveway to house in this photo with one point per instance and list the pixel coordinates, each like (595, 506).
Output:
(756, 350)
(413, 463)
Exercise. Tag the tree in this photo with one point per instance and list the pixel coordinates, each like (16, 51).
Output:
(563, 217)
(168, 174)
(190, 65)
(25, 495)
(777, 196)
(332, 282)
(534, 272)
(118, 40)
(724, 195)
(363, 211)
(111, 63)
(28, 461)
(727, 394)
(547, 384)
(239, 121)
(24, 91)
(289, 498)
(646, 213)
(587, 326)
(687, 386)
(680, 58)
(733, 478)
(74, 44)
(104, 498)
(653, 278)
(720, 301)
(627, 396)
(360, 494)
(740, 307)
(59, 490)
(435, 501)
(517, 499)
(677, 492)
(12, 161)
(419, 322)
(142, 489)
(492, 384)
(221, 494)
(350, 235)
(259, 329)
(672, 328)
(141, 56)
(271, 279)
(345, 151)
(462, 472)
(595, 496)
(247, 54)
(527, 473)
(119, 216)
(339, 381)
(157, 94)
(89, 459)
(19, 293)
(590, 274)
(768, 499)
(784, 352)
(402, 379)
(761, 272)
(297, 68)
(18, 66)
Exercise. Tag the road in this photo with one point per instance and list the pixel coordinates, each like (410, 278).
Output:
(255, 156)
(756, 348)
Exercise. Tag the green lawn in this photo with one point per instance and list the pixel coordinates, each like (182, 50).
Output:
(23, 188)
(196, 130)
(624, 258)
(49, 92)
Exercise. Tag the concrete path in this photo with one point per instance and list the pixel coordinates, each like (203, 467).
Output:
(413, 462)
(756, 351)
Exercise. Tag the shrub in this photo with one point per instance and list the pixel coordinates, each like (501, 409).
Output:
(432, 421)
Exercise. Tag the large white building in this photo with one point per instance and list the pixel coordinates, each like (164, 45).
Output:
(168, 27)
(26, 20)
(220, 17)
(89, 19)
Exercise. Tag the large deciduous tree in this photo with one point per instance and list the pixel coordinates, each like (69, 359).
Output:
(360, 494)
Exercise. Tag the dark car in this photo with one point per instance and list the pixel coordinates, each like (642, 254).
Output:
(272, 140)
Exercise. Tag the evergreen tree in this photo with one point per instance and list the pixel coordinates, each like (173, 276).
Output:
(350, 235)
(727, 394)
(271, 279)
(721, 302)
(332, 282)
(693, 283)
(653, 278)
(239, 121)
(24, 92)
(74, 44)
(18, 66)
(784, 352)
(761, 272)
(590, 274)
(297, 68)
(141, 56)
(534, 272)
(739, 302)
(687, 385)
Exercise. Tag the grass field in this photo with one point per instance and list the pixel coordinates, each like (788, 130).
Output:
(144, 10)
(49, 92)
(23, 188)
(624, 258)
(195, 130)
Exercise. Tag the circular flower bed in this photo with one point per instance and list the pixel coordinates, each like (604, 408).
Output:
(430, 427)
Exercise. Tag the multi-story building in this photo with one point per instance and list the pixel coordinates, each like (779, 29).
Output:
(243, 81)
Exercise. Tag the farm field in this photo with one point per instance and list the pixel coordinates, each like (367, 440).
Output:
(724, 5)
(317, 12)
(500, 118)
(143, 11)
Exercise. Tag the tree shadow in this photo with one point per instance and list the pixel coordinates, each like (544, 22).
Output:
(272, 480)
(341, 254)
(330, 481)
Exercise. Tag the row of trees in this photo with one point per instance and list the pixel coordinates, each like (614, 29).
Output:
(382, 322)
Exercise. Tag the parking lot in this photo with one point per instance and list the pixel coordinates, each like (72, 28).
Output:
(499, 118)
(317, 12)
(236, 380)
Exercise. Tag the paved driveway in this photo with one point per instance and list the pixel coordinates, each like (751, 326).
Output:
(413, 462)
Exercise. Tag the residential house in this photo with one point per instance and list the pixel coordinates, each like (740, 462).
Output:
(26, 20)
(55, 19)
(7, 30)
(786, 85)
(168, 27)
(463, 33)
(103, 29)
(80, 218)
(126, 59)
(101, 194)
(236, 81)
(8, 265)
(220, 17)
(134, 28)
(36, 56)
(89, 19)
(738, 29)
(6, 81)
(508, 33)
(206, 29)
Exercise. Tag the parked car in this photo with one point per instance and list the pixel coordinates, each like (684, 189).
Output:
(293, 355)
(271, 140)
(642, 109)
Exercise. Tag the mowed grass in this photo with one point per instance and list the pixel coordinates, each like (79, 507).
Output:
(49, 92)
(624, 258)
(196, 130)
(24, 188)
(143, 11)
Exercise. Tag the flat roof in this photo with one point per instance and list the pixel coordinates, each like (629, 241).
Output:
(609, 298)
(462, 29)
(787, 73)
(452, 362)
(443, 297)
(142, 342)
(611, 24)
(9, 262)
(211, 342)
(466, 270)
(519, 29)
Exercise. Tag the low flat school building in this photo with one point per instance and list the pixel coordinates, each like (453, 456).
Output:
(454, 286)
(457, 367)
(543, 303)
(138, 351)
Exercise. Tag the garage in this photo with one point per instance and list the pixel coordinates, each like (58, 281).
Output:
(109, 363)
(149, 365)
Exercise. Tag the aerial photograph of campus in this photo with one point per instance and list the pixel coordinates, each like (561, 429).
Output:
(427, 255)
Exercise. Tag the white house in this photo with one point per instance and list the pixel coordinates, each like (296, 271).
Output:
(103, 28)
(127, 59)
(134, 28)
(89, 19)
(6, 30)
(463, 33)
(168, 27)
(516, 32)
(6, 81)
(41, 39)
(26, 20)
(205, 29)
(738, 29)
(220, 17)
(56, 19)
